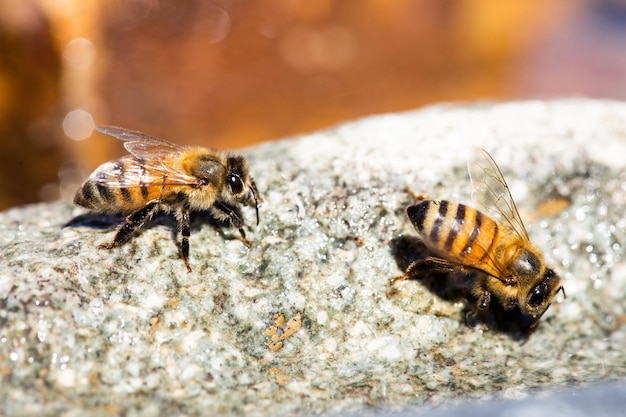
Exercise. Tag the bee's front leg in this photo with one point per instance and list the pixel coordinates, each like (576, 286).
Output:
(223, 212)
(480, 314)
(484, 301)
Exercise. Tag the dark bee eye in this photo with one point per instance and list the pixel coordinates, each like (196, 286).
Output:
(235, 183)
(538, 295)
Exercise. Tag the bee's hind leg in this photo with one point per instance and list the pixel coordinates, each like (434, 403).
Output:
(426, 265)
(133, 222)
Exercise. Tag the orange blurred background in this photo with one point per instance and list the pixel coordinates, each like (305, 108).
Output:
(228, 74)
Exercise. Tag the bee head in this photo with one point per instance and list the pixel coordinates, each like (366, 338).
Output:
(240, 187)
(541, 295)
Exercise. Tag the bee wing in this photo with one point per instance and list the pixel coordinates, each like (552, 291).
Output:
(492, 193)
(130, 172)
(149, 166)
(141, 145)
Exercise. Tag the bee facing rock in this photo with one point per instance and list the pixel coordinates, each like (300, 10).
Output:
(507, 267)
(161, 176)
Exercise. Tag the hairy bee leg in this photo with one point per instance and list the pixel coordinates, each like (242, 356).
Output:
(484, 300)
(132, 222)
(234, 219)
(393, 280)
(481, 313)
(472, 319)
(184, 228)
(427, 264)
(416, 196)
(412, 270)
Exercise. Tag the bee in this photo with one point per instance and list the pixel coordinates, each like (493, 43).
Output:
(508, 267)
(159, 176)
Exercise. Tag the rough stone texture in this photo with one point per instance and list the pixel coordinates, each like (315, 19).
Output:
(304, 321)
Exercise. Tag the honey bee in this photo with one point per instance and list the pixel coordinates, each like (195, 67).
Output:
(508, 267)
(161, 176)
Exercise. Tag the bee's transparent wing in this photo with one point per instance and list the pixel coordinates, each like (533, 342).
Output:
(141, 145)
(492, 193)
(130, 172)
(149, 165)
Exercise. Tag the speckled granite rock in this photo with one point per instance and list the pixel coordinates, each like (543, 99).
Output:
(304, 321)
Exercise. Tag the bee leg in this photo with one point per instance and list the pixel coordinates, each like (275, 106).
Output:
(184, 228)
(413, 270)
(428, 264)
(471, 319)
(133, 222)
(398, 278)
(481, 312)
(226, 213)
(416, 196)
(484, 300)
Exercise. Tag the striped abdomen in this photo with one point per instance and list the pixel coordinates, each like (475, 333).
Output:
(106, 198)
(118, 186)
(457, 233)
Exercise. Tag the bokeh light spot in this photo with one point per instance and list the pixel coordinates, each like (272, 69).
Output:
(78, 124)
(79, 52)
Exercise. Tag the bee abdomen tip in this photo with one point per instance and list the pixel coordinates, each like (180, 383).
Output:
(418, 213)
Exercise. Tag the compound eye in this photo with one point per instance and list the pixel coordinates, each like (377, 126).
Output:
(538, 295)
(235, 183)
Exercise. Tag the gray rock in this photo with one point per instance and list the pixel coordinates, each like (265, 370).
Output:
(304, 321)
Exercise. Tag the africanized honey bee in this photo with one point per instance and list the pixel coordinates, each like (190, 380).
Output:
(162, 176)
(507, 266)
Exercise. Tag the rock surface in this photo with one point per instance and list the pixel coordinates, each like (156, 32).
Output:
(304, 321)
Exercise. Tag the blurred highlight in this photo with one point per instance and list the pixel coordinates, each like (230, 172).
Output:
(78, 125)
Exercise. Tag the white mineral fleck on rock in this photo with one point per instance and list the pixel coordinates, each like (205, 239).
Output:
(128, 331)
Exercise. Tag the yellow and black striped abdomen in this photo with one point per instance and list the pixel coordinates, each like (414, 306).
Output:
(117, 186)
(106, 198)
(457, 233)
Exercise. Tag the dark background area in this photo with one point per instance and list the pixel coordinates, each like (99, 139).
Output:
(229, 74)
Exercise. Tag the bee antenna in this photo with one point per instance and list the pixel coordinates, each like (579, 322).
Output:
(257, 199)
(562, 290)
